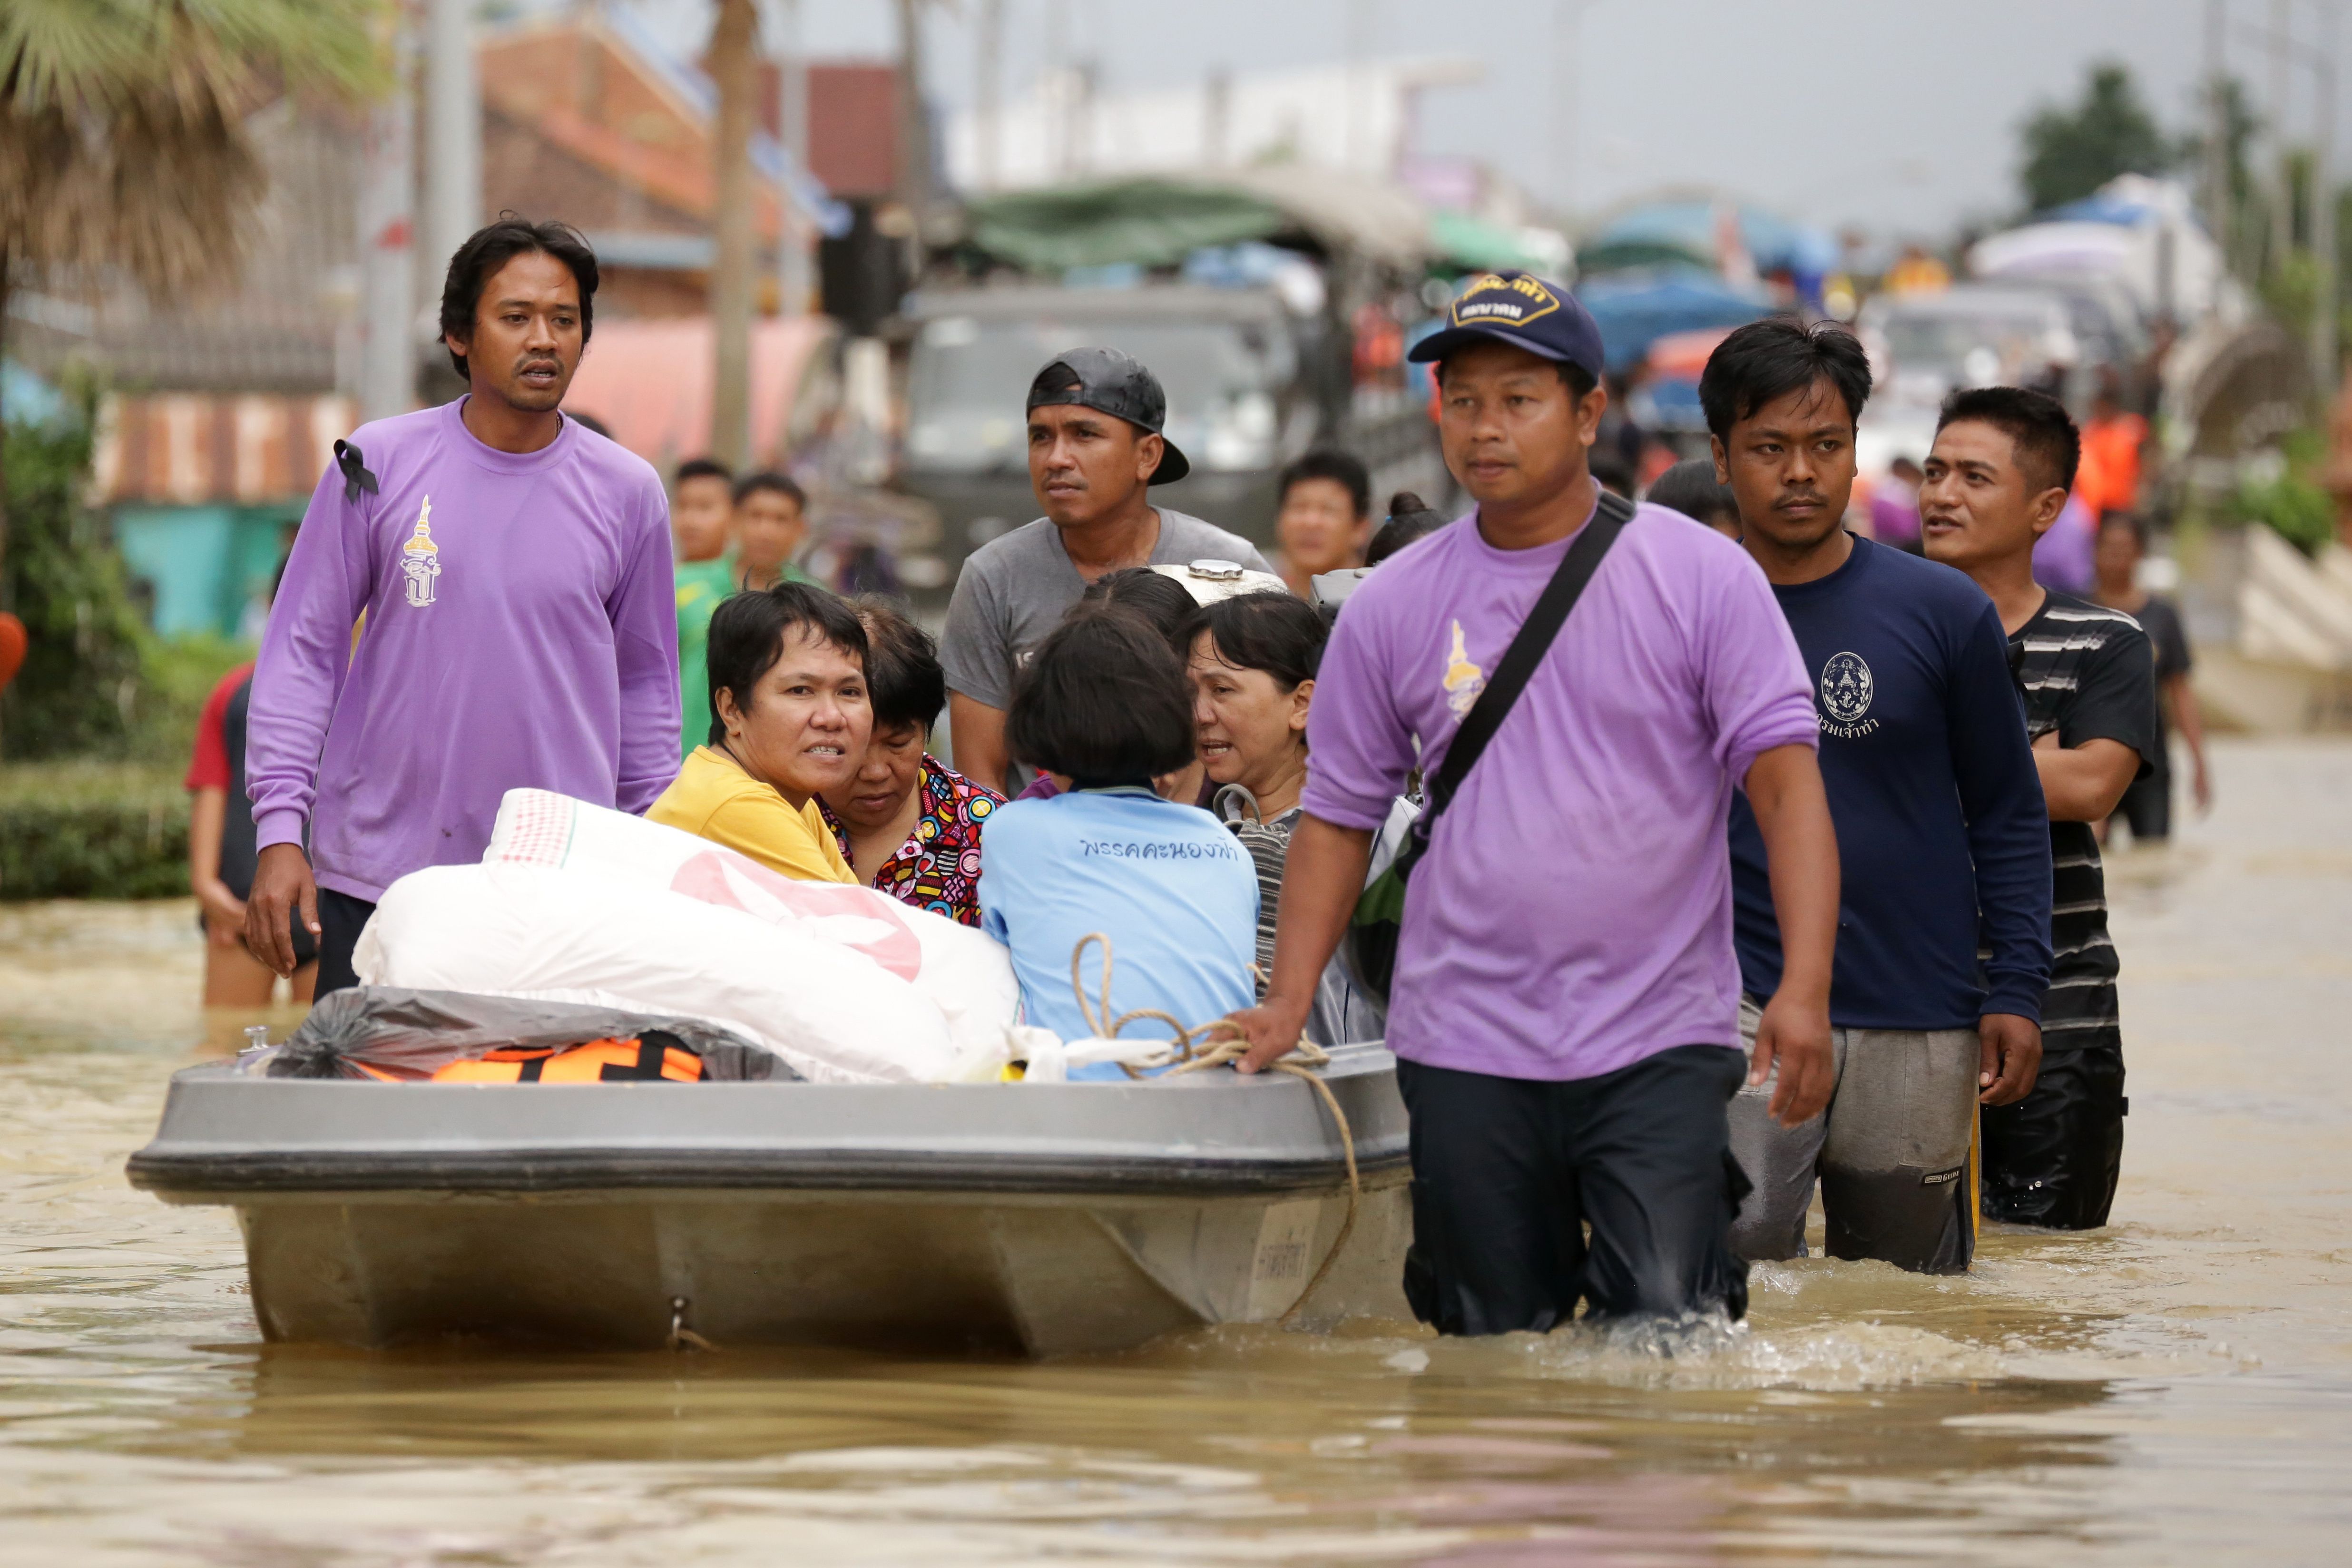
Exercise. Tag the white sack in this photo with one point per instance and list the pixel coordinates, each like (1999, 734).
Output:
(562, 936)
(965, 972)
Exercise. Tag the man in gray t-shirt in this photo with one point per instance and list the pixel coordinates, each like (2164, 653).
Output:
(1095, 447)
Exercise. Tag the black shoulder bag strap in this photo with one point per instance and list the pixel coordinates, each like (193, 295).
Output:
(1519, 661)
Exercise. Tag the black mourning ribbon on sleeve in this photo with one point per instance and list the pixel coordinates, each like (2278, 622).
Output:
(356, 478)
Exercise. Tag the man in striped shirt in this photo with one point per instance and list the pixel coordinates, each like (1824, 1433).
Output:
(2002, 467)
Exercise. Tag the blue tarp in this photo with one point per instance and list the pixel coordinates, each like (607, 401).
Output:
(2102, 209)
(1634, 310)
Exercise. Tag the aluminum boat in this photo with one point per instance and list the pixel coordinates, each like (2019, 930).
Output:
(1037, 1220)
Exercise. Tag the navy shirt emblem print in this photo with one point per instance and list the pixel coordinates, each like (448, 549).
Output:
(1846, 688)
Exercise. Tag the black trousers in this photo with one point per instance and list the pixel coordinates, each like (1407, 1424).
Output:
(2148, 806)
(1508, 1174)
(341, 916)
(2053, 1159)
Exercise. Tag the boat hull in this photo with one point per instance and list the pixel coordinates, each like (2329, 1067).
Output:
(1040, 1220)
(1009, 1274)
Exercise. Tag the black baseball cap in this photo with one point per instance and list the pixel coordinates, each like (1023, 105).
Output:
(1523, 310)
(1113, 383)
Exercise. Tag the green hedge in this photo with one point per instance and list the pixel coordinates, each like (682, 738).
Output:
(92, 830)
(2293, 500)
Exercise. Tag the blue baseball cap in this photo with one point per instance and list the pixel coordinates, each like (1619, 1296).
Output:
(1523, 310)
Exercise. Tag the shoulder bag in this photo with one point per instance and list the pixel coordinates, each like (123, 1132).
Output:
(1373, 929)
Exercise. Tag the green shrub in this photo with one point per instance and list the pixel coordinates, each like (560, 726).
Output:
(79, 689)
(96, 682)
(92, 830)
(175, 679)
(2292, 503)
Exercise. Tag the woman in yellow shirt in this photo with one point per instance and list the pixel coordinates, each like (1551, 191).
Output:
(790, 718)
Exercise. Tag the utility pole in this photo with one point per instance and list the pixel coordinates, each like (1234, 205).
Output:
(988, 59)
(795, 269)
(1354, 154)
(1567, 25)
(453, 137)
(1060, 95)
(2325, 303)
(1217, 119)
(914, 124)
(2220, 200)
(2282, 177)
(734, 63)
(387, 204)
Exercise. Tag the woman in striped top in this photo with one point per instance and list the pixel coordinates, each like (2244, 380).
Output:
(1253, 662)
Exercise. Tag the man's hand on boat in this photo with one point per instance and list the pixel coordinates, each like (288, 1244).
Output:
(1272, 1029)
(1321, 880)
(282, 889)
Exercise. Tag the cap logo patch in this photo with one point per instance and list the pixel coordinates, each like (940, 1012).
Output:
(1491, 301)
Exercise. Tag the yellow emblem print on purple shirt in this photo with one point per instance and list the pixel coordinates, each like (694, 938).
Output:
(420, 558)
(1464, 679)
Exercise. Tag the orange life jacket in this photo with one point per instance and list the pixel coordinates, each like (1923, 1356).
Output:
(651, 1058)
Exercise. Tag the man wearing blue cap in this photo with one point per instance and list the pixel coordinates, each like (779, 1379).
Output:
(1095, 448)
(1566, 1002)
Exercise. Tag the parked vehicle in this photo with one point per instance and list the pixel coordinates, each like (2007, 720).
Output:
(1923, 346)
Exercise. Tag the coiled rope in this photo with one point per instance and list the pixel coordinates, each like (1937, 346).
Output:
(1218, 1044)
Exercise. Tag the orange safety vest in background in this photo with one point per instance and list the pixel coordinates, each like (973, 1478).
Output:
(2108, 477)
(650, 1059)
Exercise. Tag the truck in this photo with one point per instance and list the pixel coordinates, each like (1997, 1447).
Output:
(1251, 383)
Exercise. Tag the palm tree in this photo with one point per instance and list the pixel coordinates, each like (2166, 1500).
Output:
(123, 148)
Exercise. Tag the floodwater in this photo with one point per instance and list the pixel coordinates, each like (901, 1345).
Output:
(2176, 1388)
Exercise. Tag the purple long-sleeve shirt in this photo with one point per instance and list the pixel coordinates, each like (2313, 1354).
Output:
(521, 632)
(1573, 913)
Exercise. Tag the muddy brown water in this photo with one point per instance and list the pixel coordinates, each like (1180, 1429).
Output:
(2175, 1388)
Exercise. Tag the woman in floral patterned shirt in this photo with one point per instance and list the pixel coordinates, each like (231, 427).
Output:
(910, 824)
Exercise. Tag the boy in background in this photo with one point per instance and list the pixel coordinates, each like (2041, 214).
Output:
(771, 526)
(2147, 804)
(701, 512)
(1325, 518)
(1691, 489)
(220, 857)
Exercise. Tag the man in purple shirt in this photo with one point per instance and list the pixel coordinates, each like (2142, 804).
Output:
(1565, 1009)
(479, 600)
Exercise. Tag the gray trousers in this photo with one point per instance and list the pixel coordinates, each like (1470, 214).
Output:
(1894, 1150)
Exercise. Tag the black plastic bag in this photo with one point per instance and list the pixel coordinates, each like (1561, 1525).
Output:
(414, 1034)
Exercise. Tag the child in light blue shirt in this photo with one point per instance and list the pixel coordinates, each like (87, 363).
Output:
(1103, 704)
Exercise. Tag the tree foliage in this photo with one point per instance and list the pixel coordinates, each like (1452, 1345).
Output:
(124, 152)
(2072, 151)
(79, 689)
(123, 138)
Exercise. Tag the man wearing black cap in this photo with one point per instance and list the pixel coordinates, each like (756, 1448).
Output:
(1095, 447)
(1565, 1009)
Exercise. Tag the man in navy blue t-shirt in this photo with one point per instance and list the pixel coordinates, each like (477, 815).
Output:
(1941, 830)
